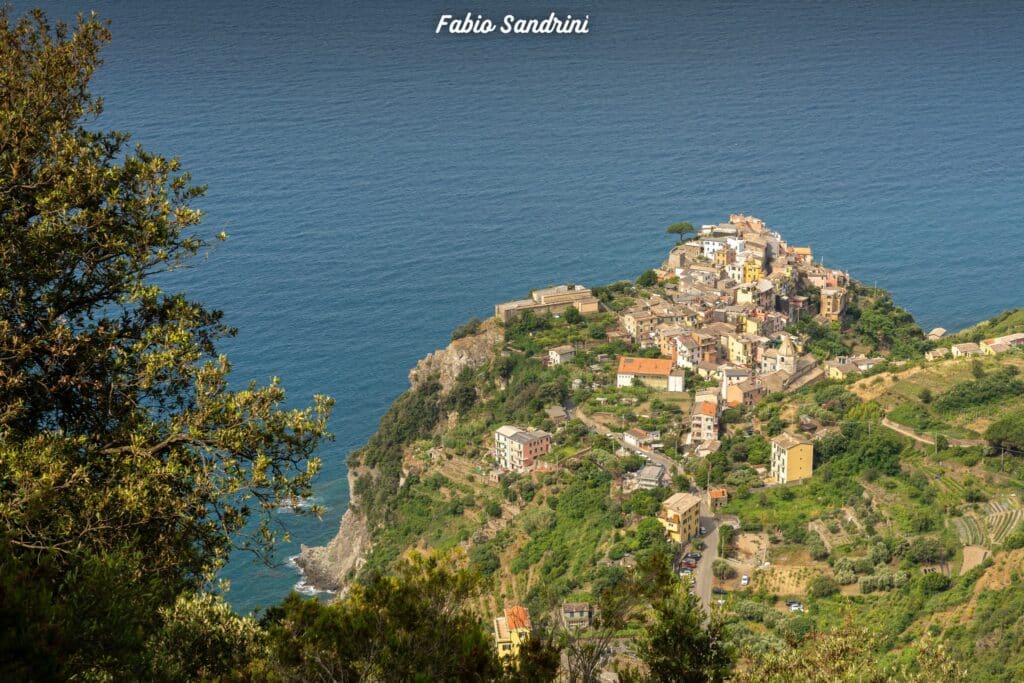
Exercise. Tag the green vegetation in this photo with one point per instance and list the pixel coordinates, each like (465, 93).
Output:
(470, 327)
(680, 229)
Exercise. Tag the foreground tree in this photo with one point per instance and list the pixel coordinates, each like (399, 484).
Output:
(851, 654)
(417, 625)
(679, 647)
(128, 469)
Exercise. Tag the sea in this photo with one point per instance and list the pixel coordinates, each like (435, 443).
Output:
(382, 183)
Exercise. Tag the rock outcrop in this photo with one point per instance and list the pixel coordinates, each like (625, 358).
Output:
(331, 567)
(468, 352)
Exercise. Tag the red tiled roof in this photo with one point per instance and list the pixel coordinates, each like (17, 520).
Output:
(517, 617)
(630, 365)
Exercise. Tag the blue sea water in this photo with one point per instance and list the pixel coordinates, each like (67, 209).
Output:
(382, 184)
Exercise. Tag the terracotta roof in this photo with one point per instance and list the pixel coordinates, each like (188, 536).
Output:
(719, 493)
(629, 365)
(517, 617)
(706, 408)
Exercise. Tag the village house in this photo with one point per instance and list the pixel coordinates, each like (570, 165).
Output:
(936, 333)
(511, 631)
(706, 448)
(561, 354)
(936, 354)
(718, 497)
(964, 350)
(703, 422)
(686, 351)
(657, 373)
(792, 458)
(556, 414)
(752, 270)
(577, 615)
(516, 449)
(680, 515)
(833, 302)
(1002, 344)
(748, 392)
(639, 322)
(639, 438)
(650, 476)
(553, 300)
(839, 368)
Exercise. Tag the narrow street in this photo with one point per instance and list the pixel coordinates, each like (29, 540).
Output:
(702, 575)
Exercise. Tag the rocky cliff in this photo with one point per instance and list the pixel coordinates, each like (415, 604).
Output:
(332, 567)
(468, 352)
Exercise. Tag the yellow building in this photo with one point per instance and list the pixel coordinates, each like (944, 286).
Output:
(511, 630)
(792, 458)
(680, 515)
(751, 270)
(739, 349)
(833, 302)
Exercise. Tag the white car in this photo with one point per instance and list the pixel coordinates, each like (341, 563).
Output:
(745, 580)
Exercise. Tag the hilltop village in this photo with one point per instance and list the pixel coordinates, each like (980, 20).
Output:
(721, 320)
(777, 437)
(729, 295)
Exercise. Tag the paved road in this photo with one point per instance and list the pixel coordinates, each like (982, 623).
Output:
(703, 574)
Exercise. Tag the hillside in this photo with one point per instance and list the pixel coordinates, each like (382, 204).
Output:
(906, 525)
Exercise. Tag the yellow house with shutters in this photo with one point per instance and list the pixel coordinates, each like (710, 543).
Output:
(751, 270)
(511, 630)
(792, 458)
(680, 515)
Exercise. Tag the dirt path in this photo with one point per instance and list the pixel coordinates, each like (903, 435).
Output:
(925, 439)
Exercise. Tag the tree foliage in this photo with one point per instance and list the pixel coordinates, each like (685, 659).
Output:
(129, 468)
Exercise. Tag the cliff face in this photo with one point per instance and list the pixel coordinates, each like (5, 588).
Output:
(333, 566)
(468, 352)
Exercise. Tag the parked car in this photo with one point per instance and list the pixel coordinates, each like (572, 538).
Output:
(745, 580)
(685, 572)
(795, 606)
(719, 591)
(703, 531)
(693, 556)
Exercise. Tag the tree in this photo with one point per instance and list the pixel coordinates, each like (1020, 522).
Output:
(416, 625)
(678, 647)
(849, 655)
(647, 279)
(721, 569)
(573, 316)
(822, 586)
(130, 470)
(977, 369)
(679, 229)
(925, 395)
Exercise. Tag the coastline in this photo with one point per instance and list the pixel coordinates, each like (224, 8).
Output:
(330, 568)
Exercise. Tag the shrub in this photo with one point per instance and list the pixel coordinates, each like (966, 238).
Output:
(927, 551)
(721, 569)
(822, 586)
(472, 326)
(845, 577)
(934, 582)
